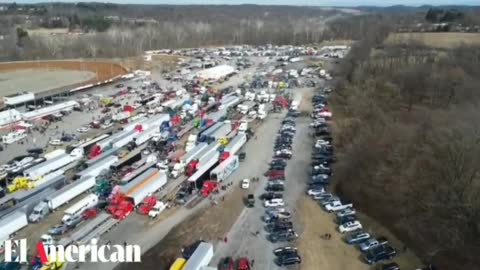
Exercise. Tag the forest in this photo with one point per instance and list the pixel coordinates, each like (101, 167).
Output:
(409, 138)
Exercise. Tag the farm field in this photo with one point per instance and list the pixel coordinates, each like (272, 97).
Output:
(436, 40)
(47, 75)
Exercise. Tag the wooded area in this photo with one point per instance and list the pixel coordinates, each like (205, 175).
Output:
(128, 30)
(408, 134)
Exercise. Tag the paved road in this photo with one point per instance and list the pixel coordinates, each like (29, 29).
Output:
(243, 242)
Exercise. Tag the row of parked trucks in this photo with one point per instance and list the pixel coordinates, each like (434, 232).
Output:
(51, 190)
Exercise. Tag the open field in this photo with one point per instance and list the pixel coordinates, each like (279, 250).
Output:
(437, 40)
(47, 75)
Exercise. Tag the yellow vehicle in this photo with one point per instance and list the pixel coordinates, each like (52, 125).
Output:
(106, 100)
(178, 264)
(223, 141)
(18, 183)
(53, 265)
(122, 153)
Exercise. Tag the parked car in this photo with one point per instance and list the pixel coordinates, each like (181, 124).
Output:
(346, 212)
(274, 188)
(389, 266)
(83, 129)
(288, 259)
(345, 219)
(317, 191)
(56, 142)
(350, 226)
(283, 236)
(356, 238)
(371, 243)
(74, 221)
(279, 225)
(274, 203)
(285, 250)
(58, 229)
(380, 253)
(245, 183)
(271, 195)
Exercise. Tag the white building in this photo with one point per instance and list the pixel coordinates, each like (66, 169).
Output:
(9, 117)
(215, 73)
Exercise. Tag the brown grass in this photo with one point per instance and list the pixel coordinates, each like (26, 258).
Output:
(436, 40)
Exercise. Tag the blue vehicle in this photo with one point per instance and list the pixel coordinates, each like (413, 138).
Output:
(357, 238)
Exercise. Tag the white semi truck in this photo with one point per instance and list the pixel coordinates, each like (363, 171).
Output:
(63, 196)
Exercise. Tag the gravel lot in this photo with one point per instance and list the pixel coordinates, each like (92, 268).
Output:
(39, 80)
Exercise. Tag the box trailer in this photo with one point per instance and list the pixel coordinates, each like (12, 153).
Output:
(231, 103)
(225, 169)
(53, 164)
(206, 164)
(192, 154)
(123, 140)
(217, 116)
(54, 154)
(146, 135)
(70, 191)
(95, 169)
(201, 257)
(145, 184)
(78, 208)
(207, 152)
(221, 132)
(236, 144)
(11, 224)
(129, 177)
(207, 132)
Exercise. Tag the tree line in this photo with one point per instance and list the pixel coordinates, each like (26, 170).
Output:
(180, 27)
(409, 138)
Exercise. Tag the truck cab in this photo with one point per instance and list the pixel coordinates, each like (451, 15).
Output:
(39, 212)
(157, 209)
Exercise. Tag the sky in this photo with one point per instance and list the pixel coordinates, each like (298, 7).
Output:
(277, 2)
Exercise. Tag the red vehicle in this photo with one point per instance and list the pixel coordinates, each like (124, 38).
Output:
(227, 264)
(243, 264)
(95, 151)
(90, 213)
(275, 173)
(120, 207)
(147, 205)
(209, 187)
(191, 167)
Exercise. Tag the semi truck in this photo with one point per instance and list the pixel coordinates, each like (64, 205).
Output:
(207, 132)
(203, 167)
(127, 197)
(61, 197)
(98, 167)
(132, 175)
(20, 183)
(202, 157)
(201, 257)
(53, 164)
(146, 135)
(221, 131)
(11, 224)
(235, 144)
(225, 169)
(179, 167)
(78, 208)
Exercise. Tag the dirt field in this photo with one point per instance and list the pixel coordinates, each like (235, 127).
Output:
(437, 40)
(100, 71)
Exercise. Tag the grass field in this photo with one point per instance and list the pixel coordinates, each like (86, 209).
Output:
(436, 40)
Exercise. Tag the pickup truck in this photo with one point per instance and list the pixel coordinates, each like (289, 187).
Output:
(335, 206)
(380, 253)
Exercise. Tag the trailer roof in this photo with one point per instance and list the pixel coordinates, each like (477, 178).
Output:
(204, 167)
(197, 257)
(131, 185)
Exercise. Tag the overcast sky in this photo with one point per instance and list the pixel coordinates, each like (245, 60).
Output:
(278, 2)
